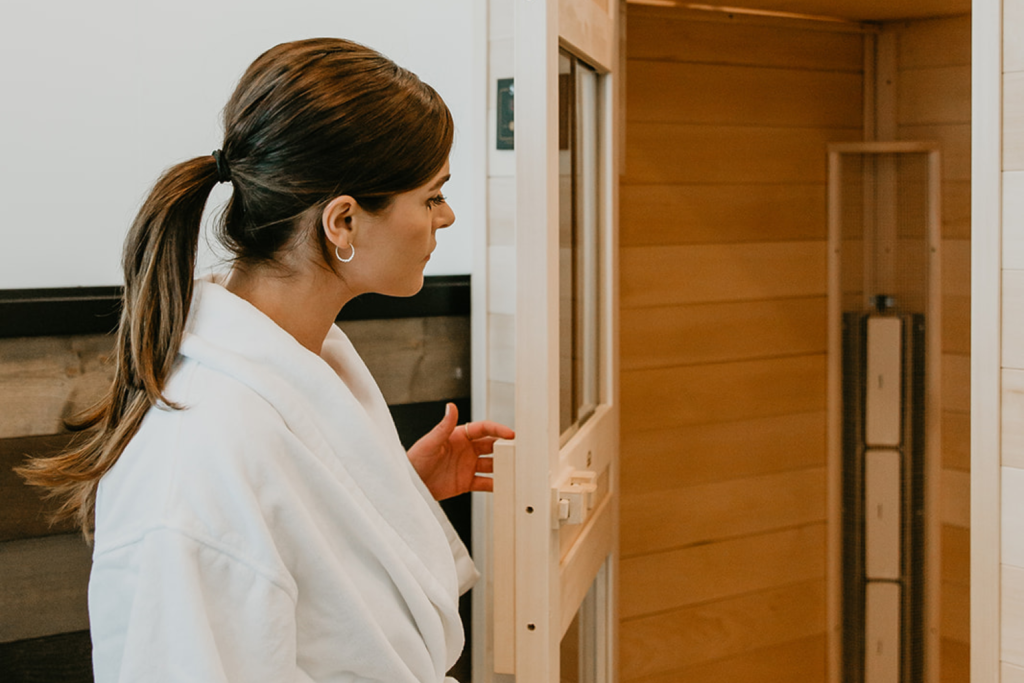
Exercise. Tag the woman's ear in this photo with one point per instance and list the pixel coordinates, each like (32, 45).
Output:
(339, 222)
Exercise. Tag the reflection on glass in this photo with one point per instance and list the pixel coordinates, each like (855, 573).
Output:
(579, 242)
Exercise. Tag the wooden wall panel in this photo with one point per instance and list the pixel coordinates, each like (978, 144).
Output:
(667, 520)
(670, 397)
(672, 275)
(713, 571)
(800, 660)
(663, 34)
(934, 96)
(723, 281)
(664, 92)
(667, 459)
(692, 153)
(662, 642)
(1013, 121)
(663, 215)
(711, 333)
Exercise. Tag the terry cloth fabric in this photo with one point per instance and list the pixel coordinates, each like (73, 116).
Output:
(272, 528)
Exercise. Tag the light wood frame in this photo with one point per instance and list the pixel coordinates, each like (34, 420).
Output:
(933, 398)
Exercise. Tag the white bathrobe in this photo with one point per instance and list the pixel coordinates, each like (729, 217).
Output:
(273, 529)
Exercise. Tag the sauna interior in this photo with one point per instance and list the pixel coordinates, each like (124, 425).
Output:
(725, 537)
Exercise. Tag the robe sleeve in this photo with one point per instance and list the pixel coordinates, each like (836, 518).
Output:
(197, 613)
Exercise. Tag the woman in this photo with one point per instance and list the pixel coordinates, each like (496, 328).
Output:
(256, 518)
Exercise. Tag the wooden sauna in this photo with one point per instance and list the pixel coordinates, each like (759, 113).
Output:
(727, 563)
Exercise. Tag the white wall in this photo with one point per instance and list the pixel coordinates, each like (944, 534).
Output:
(97, 98)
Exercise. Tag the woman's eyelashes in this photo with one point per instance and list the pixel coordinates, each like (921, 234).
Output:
(437, 200)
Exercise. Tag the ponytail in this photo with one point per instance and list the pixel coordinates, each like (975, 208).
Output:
(159, 263)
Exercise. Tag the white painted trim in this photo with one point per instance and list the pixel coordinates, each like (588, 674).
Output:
(986, 325)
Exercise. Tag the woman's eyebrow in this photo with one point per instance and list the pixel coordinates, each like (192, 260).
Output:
(441, 181)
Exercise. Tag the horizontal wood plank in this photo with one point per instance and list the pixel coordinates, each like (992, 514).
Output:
(709, 333)
(726, 392)
(954, 143)
(945, 41)
(956, 441)
(1012, 615)
(721, 569)
(663, 215)
(800, 660)
(1013, 220)
(1013, 27)
(934, 95)
(43, 583)
(666, 459)
(955, 498)
(659, 276)
(662, 153)
(956, 324)
(955, 612)
(956, 383)
(720, 94)
(956, 555)
(664, 34)
(705, 633)
(664, 520)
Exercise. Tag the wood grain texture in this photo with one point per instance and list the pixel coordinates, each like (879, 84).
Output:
(1013, 121)
(956, 555)
(956, 383)
(956, 268)
(1011, 544)
(666, 459)
(1013, 319)
(659, 276)
(800, 660)
(725, 392)
(1013, 220)
(720, 94)
(663, 34)
(934, 95)
(49, 379)
(658, 153)
(664, 520)
(1009, 673)
(43, 585)
(721, 569)
(956, 324)
(704, 633)
(954, 142)
(955, 607)
(711, 333)
(938, 42)
(955, 498)
(415, 360)
(663, 215)
(23, 511)
(956, 441)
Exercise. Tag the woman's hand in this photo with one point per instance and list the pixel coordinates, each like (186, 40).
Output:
(450, 459)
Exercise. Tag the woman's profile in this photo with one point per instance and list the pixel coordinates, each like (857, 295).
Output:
(253, 513)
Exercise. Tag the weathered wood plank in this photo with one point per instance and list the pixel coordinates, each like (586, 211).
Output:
(23, 511)
(66, 658)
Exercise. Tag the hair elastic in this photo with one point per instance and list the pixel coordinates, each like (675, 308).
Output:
(223, 172)
(350, 256)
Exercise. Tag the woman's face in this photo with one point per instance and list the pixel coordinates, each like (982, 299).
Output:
(393, 246)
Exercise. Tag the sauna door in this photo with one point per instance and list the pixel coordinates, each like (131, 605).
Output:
(556, 486)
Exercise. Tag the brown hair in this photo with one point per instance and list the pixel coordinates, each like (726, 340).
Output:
(309, 120)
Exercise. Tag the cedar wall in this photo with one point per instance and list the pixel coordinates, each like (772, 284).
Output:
(723, 231)
(933, 86)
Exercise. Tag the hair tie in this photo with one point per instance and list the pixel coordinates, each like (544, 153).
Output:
(223, 172)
